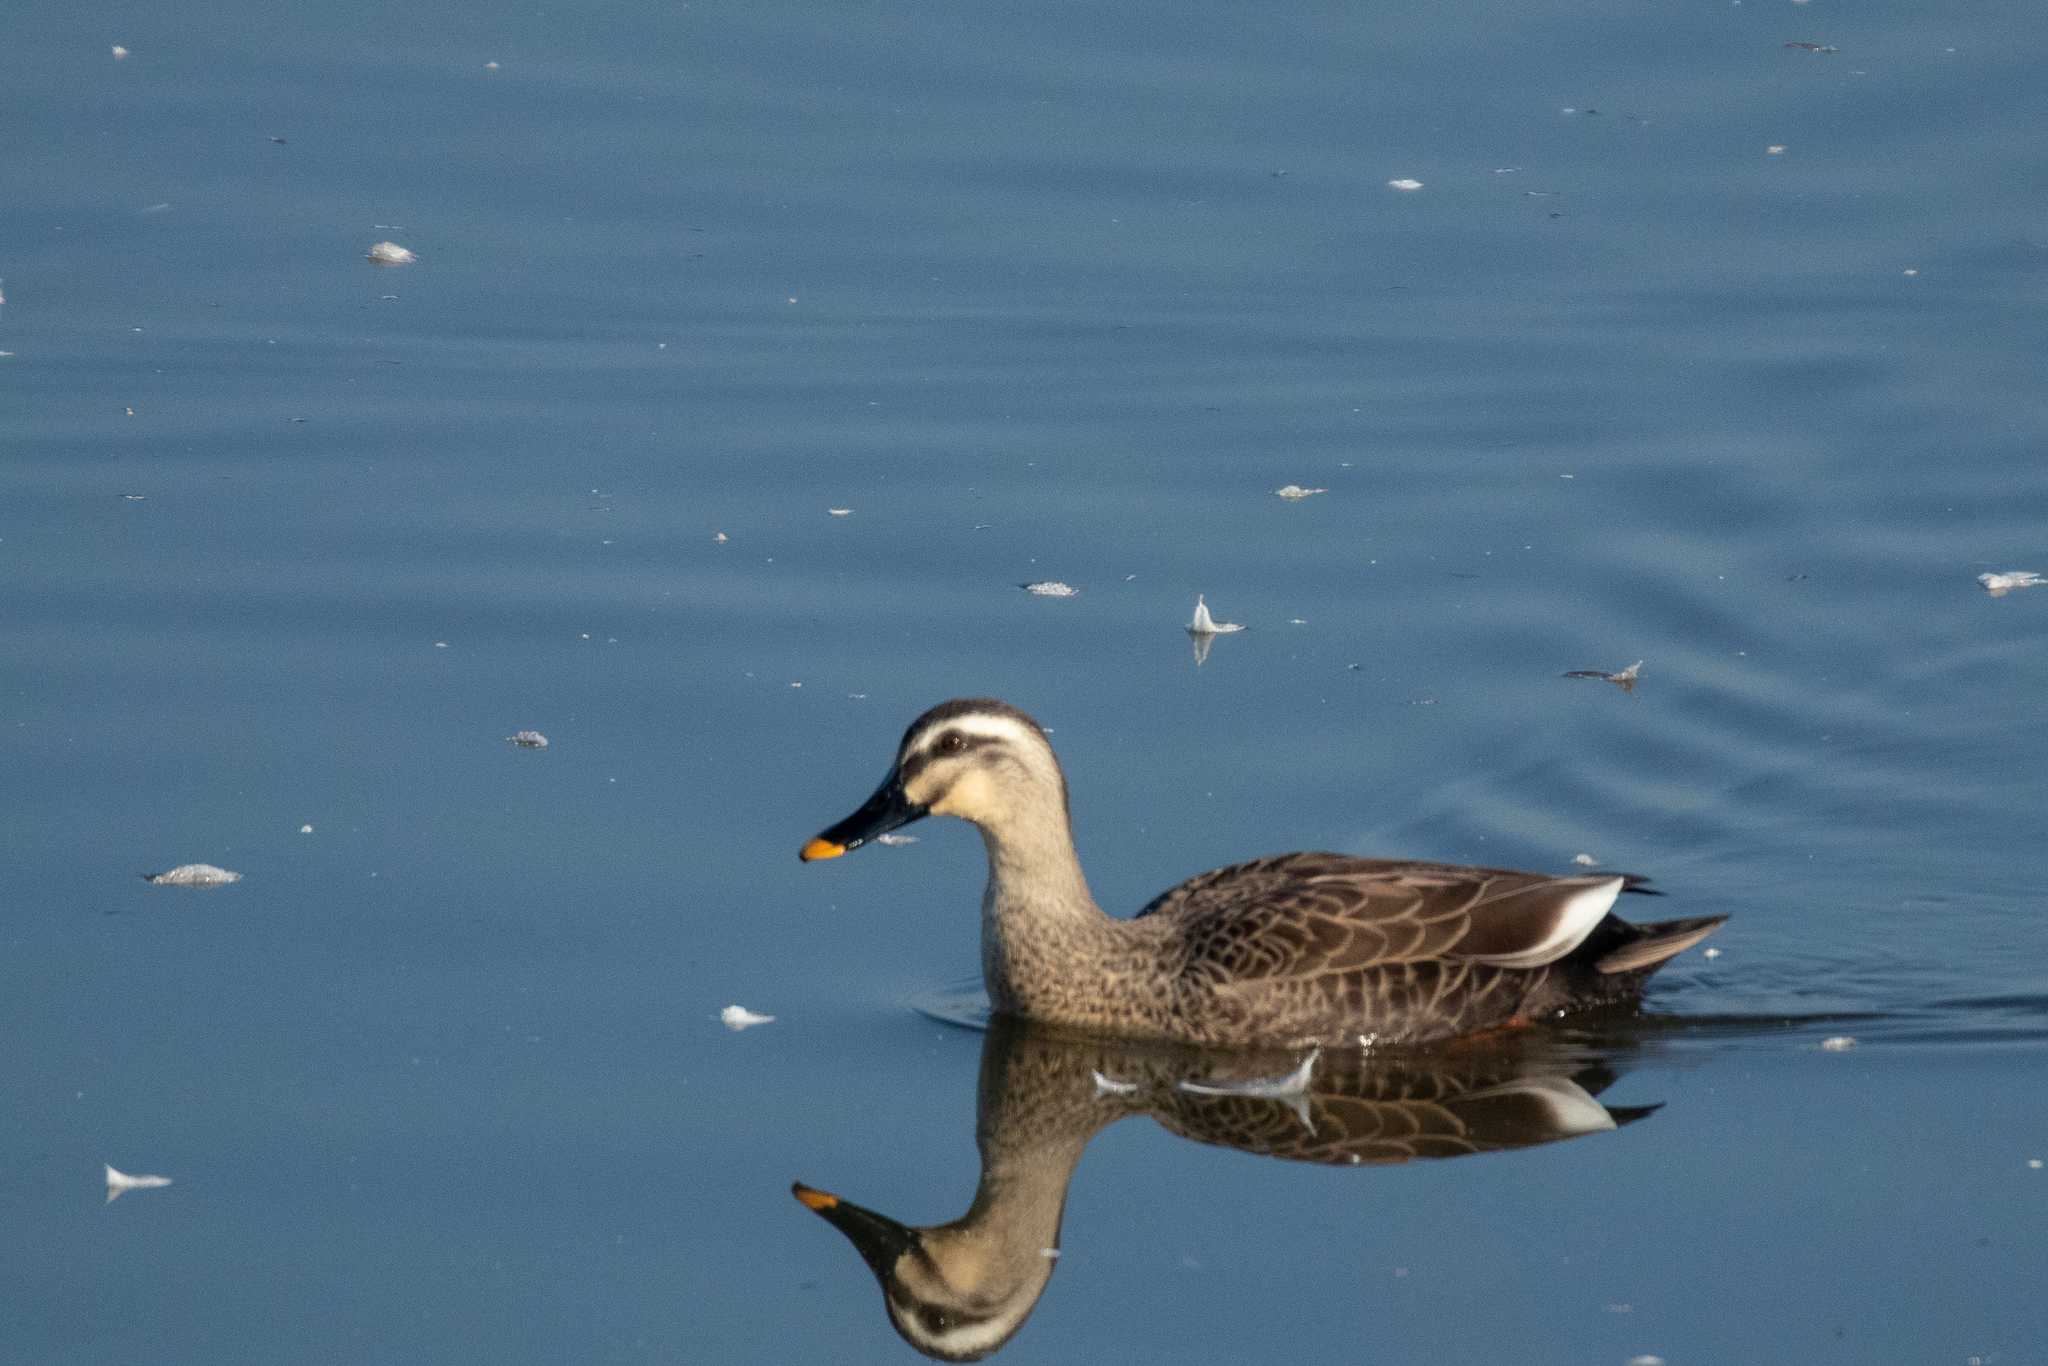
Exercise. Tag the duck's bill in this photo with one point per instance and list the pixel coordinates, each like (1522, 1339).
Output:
(879, 1239)
(887, 810)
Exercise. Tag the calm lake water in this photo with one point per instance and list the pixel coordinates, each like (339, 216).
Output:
(1696, 346)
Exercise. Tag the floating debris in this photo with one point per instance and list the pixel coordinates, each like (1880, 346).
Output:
(1712, 953)
(306, 829)
(1206, 625)
(1204, 629)
(490, 66)
(1998, 585)
(896, 840)
(120, 1183)
(1625, 679)
(2034, 1164)
(1813, 47)
(390, 254)
(1291, 1089)
(720, 538)
(1051, 588)
(1585, 860)
(120, 55)
(737, 1018)
(1409, 186)
(192, 875)
(1108, 1086)
(1838, 1043)
(1776, 149)
(1294, 492)
(839, 512)
(528, 739)
(1264, 1088)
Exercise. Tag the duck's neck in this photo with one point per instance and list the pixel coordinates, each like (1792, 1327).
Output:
(1040, 928)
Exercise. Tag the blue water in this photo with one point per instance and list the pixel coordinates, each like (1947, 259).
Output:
(1059, 293)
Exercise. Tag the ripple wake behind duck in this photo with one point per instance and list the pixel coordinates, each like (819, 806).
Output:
(1310, 948)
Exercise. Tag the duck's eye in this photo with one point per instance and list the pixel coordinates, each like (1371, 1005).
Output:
(952, 742)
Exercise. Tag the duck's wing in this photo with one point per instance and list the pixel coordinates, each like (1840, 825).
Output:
(1302, 915)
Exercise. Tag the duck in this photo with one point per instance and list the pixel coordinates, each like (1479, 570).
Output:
(960, 1290)
(1291, 950)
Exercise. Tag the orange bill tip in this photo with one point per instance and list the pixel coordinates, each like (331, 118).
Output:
(817, 849)
(814, 1199)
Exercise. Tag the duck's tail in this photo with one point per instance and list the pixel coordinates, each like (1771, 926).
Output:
(1643, 948)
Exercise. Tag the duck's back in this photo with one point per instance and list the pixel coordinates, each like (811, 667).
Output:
(1329, 948)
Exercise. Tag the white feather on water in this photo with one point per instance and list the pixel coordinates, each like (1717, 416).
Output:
(1998, 585)
(1206, 625)
(192, 875)
(120, 1182)
(738, 1017)
(1292, 1088)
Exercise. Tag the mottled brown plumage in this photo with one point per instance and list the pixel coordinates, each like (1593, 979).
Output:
(1292, 949)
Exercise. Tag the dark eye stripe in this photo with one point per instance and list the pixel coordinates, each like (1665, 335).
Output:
(917, 763)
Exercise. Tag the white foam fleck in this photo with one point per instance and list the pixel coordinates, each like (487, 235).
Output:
(1051, 588)
(1838, 1043)
(1405, 185)
(528, 739)
(390, 254)
(1295, 492)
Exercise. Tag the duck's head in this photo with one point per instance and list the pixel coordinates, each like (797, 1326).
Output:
(949, 1293)
(976, 758)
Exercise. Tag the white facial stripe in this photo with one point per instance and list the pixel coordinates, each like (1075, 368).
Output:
(978, 725)
(971, 1338)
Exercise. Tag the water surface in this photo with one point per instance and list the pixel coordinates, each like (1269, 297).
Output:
(1065, 293)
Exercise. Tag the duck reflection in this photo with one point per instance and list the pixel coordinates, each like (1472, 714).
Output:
(959, 1291)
